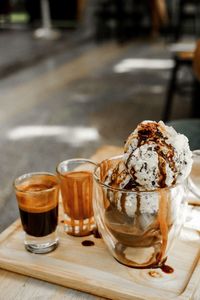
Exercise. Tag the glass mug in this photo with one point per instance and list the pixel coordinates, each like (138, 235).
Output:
(193, 180)
(37, 195)
(76, 182)
(138, 227)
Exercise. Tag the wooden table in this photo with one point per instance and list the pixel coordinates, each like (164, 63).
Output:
(14, 286)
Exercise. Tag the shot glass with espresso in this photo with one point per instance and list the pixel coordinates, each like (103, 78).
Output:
(76, 182)
(37, 196)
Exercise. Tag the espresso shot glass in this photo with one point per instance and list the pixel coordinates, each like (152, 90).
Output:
(37, 196)
(76, 183)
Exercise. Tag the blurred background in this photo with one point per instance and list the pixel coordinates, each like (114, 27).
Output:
(79, 74)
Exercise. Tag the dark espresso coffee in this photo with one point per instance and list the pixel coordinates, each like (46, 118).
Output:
(38, 205)
(39, 224)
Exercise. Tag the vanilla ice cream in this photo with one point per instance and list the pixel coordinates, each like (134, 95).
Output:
(155, 155)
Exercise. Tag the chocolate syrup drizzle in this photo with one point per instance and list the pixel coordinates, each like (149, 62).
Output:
(96, 235)
(87, 243)
(147, 133)
(158, 265)
(123, 202)
(165, 268)
(137, 214)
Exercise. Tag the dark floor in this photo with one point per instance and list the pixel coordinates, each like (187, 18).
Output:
(19, 48)
(74, 100)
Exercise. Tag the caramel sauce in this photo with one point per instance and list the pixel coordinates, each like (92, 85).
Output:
(167, 269)
(164, 268)
(123, 202)
(137, 214)
(162, 218)
(154, 274)
(162, 169)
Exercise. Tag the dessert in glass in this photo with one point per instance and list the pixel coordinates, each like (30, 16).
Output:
(140, 203)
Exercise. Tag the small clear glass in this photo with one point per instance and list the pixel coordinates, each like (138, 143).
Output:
(37, 196)
(138, 227)
(76, 182)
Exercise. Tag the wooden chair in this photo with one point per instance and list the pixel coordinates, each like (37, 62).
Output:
(125, 19)
(191, 127)
(159, 15)
(196, 62)
(183, 55)
(187, 10)
(5, 10)
(196, 86)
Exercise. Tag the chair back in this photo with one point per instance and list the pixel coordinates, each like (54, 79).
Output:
(196, 61)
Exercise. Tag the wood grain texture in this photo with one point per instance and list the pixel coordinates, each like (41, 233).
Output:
(93, 269)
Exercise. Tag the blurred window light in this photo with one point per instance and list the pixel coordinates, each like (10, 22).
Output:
(131, 64)
(74, 135)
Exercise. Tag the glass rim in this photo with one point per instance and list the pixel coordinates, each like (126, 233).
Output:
(34, 174)
(71, 160)
(96, 177)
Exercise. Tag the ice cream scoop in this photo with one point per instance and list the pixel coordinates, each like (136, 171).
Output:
(156, 156)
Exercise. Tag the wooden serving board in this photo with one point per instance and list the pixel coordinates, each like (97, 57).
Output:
(94, 270)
